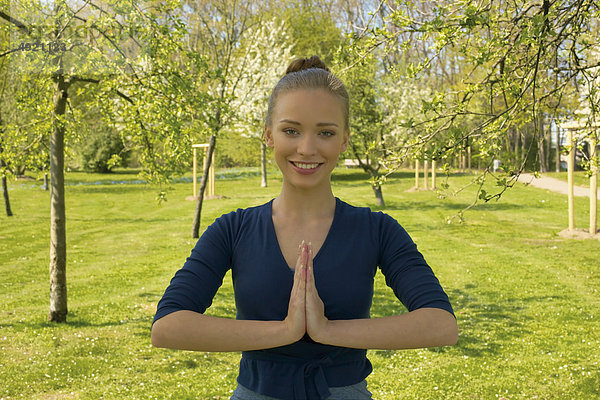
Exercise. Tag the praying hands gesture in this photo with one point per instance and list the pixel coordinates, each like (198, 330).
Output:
(306, 311)
(188, 330)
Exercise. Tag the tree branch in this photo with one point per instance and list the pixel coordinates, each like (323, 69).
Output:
(24, 28)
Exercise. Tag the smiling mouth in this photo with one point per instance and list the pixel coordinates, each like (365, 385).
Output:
(305, 165)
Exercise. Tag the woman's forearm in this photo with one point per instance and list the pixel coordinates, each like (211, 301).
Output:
(188, 330)
(425, 327)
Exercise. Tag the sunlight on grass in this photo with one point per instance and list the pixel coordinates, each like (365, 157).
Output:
(526, 301)
(580, 178)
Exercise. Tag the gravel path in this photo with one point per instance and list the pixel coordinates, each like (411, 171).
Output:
(554, 185)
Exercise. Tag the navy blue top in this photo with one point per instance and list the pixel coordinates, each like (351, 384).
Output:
(358, 241)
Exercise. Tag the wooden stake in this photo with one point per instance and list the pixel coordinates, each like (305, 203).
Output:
(425, 172)
(469, 159)
(557, 161)
(433, 174)
(593, 188)
(211, 176)
(211, 171)
(570, 168)
(195, 173)
(417, 173)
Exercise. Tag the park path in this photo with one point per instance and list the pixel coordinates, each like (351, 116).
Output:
(554, 185)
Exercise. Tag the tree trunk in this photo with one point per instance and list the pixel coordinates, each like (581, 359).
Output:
(45, 181)
(58, 247)
(517, 143)
(508, 141)
(263, 164)
(5, 192)
(378, 195)
(203, 182)
(4, 183)
(523, 148)
(372, 171)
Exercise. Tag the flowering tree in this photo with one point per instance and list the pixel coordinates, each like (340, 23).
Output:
(268, 51)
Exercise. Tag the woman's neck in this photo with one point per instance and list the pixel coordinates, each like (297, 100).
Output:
(298, 204)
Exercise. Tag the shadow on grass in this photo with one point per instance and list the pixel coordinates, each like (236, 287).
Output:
(352, 174)
(488, 323)
(427, 205)
(72, 322)
(485, 326)
(112, 189)
(349, 176)
(123, 220)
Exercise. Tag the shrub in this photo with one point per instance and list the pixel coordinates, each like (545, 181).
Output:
(102, 152)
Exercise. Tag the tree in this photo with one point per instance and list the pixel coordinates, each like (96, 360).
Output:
(264, 62)
(22, 139)
(369, 134)
(217, 29)
(518, 63)
(93, 45)
(2, 168)
(311, 24)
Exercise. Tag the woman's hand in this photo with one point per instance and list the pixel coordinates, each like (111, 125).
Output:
(306, 311)
(316, 322)
(295, 321)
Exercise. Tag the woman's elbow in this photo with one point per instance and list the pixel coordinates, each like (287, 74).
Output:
(443, 326)
(451, 331)
(157, 336)
(453, 335)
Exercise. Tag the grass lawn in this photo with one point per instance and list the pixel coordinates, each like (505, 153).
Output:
(527, 302)
(579, 177)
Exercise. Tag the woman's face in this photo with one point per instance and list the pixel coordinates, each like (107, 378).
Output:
(307, 135)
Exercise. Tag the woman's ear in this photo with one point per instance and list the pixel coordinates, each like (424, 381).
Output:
(345, 141)
(268, 136)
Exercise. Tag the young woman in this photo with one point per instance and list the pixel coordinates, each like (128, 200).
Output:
(303, 266)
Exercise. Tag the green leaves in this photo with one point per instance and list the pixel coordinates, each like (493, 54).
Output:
(490, 72)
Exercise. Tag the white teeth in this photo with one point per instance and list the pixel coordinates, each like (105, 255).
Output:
(306, 166)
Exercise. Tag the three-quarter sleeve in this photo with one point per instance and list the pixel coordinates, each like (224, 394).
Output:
(405, 269)
(194, 286)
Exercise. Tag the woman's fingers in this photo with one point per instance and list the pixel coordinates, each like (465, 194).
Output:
(298, 271)
(309, 273)
(298, 287)
(316, 322)
(309, 265)
(296, 318)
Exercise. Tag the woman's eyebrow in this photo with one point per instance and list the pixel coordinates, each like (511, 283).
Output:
(289, 121)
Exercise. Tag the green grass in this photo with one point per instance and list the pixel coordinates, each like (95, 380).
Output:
(527, 301)
(579, 177)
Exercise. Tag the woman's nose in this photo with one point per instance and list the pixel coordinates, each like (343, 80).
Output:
(307, 145)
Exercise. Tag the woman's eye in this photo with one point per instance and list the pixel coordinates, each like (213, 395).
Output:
(290, 131)
(327, 133)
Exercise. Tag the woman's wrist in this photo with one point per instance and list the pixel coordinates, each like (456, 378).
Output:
(325, 335)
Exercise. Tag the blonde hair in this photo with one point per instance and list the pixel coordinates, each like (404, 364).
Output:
(310, 73)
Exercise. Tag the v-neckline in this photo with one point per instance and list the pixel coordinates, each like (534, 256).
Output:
(274, 233)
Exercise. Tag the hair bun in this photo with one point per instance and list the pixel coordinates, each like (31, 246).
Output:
(300, 64)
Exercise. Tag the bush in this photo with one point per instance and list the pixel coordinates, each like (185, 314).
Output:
(236, 151)
(102, 152)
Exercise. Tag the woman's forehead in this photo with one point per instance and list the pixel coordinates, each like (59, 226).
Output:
(309, 104)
